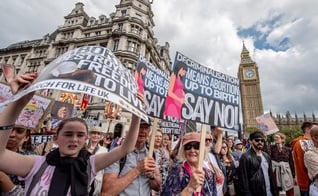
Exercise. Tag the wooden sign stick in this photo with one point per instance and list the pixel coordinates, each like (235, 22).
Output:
(152, 137)
(202, 150)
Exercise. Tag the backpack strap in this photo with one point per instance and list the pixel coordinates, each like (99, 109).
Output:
(122, 162)
(91, 187)
(43, 150)
(37, 177)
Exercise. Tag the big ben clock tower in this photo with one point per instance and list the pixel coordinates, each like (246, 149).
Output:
(251, 99)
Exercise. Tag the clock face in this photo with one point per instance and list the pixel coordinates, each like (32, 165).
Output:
(250, 73)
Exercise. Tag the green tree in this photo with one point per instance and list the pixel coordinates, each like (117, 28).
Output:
(291, 133)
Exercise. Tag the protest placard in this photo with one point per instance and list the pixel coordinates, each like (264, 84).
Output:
(61, 110)
(208, 96)
(92, 70)
(39, 139)
(152, 85)
(33, 112)
(191, 92)
(170, 127)
(5, 92)
(267, 124)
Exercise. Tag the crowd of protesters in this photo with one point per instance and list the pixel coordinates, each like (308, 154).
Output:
(82, 161)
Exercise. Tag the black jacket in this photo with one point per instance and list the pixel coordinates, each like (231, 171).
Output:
(251, 177)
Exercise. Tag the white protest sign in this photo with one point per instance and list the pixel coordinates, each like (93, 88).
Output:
(267, 124)
(92, 70)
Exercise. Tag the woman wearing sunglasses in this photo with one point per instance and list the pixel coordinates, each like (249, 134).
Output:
(184, 178)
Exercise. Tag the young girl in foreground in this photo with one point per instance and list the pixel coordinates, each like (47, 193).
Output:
(68, 170)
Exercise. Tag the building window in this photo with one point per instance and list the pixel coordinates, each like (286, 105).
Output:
(33, 67)
(60, 51)
(103, 44)
(14, 58)
(135, 29)
(6, 59)
(68, 35)
(22, 59)
(97, 33)
(123, 13)
(87, 34)
(133, 46)
(116, 45)
(120, 26)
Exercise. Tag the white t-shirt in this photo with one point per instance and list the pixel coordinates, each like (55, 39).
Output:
(64, 68)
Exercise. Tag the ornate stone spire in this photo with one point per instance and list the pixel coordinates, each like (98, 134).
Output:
(245, 56)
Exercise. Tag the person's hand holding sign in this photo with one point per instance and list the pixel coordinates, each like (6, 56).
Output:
(196, 180)
(141, 98)
(22, 81)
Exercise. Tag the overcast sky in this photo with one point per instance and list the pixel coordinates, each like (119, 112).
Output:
(281, 35)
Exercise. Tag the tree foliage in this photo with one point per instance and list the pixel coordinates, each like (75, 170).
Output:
(291, 133)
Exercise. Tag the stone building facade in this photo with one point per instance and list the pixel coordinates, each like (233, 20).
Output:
(128, 32)
(289, 121)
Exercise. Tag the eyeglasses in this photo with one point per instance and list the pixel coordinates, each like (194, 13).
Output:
(259, 140)
(196, 146)
(208, 140)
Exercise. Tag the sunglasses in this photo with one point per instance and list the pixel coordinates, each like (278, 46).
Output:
(107, 138)
(208, 140)
(259, 140)
(196, 146)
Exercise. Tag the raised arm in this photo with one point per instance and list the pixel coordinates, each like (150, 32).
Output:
(105, 159)
(218, 144)
(10, 162)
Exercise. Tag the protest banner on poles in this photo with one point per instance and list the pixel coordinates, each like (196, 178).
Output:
(92, 70)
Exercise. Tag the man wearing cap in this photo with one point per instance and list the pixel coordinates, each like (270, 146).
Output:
(255, 171)
(138, 175)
